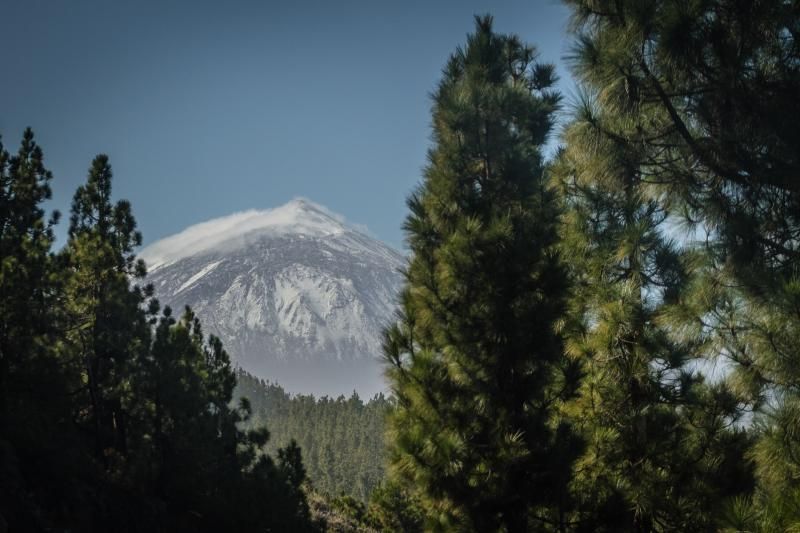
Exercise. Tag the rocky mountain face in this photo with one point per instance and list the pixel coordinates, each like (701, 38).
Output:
(298, 296)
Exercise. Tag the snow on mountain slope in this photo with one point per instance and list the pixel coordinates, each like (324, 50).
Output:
(296, 294)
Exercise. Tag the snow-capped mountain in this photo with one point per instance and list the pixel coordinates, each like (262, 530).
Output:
(296, 294)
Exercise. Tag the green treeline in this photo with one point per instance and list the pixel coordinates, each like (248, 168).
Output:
(342, 438)
(116, 415)
(608, 340)
(604, 340)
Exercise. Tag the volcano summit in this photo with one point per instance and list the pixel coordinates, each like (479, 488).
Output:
(297, 295)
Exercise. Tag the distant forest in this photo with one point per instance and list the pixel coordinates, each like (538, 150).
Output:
(342, 438)
(604, 341)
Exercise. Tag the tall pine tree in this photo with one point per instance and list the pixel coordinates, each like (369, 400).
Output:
(659, 456)
(34, 415)
(106, 327)
(25, 266)
(475, 360)
(717, 82)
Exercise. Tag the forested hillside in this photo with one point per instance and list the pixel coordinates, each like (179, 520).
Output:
(342, 438)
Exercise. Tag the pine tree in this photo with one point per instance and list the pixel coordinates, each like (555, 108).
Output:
(190, 451)
(107, 327)
(35, 429)
(25, 266)
(717, 82)
(391, 509)
(474, 361)
(657, 448)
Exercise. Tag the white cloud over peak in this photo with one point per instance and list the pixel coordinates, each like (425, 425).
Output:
(299, 216)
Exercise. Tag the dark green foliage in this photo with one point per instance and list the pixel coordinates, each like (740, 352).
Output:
(111, 418)
(342, 439)
(656, 432)
(393, 509)
(335, 516)
(707, 92)
(26, 284)
(343, 446)
(390, 509)
(105, 328)
(34, 413)
(715, 85)
(25, 266)
(474, 361)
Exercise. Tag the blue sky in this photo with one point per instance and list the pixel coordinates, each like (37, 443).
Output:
(212, 107)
